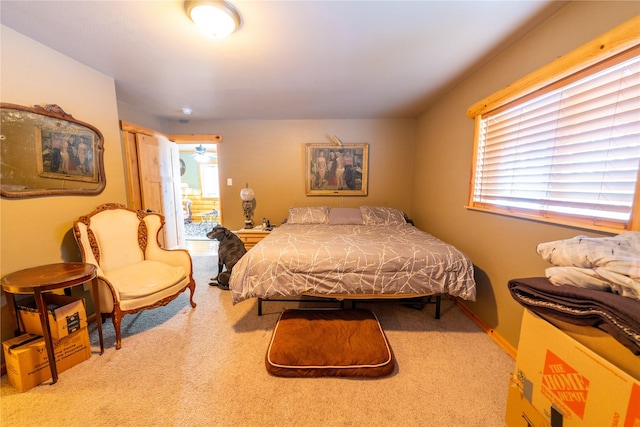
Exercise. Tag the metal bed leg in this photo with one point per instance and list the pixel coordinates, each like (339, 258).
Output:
(438, 299)
(259, 306)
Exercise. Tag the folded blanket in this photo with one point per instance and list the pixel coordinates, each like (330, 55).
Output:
(617, 315)
(611, 264)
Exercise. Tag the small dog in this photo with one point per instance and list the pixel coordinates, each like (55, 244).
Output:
(230, 251)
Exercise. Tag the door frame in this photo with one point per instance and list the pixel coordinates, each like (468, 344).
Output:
(131, 153)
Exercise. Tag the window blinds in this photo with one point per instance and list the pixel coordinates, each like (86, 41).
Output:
(572, 150)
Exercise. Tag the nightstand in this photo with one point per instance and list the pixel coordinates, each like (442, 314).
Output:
(251, 236)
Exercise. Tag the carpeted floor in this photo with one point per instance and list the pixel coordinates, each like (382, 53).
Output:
(205, 367)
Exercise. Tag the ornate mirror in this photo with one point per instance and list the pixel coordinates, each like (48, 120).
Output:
(45, 151)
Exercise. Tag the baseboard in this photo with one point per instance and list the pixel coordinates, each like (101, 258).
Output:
(504, 344)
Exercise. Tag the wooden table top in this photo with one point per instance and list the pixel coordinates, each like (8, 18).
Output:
(48, 277)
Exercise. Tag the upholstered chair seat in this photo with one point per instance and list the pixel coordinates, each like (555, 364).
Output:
(135, 273)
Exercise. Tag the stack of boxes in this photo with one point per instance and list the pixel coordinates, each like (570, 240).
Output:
(569, 375)
(26, 355)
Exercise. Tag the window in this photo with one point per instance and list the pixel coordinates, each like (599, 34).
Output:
(209, 180)
(567, 153)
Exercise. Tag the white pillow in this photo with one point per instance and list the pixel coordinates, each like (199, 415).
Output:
(373, 215)
(348, 216)
(310, 215)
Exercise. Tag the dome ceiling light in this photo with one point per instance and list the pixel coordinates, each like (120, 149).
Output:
(217, 19)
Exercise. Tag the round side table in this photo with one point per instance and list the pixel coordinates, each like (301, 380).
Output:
(45, 278)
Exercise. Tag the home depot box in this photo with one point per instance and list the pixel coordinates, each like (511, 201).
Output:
(66, 315)
(601, 343)
(570, 384)
(27, 362)
(520, 411)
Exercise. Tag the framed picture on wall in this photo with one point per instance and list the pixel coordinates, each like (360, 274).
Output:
(337, 170)
(66, 155)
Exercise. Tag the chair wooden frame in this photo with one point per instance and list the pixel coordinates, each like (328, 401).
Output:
(149, 246)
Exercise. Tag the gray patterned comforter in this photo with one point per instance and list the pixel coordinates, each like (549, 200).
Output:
(324, 259)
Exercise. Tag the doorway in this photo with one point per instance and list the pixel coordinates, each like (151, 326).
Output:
(200, 190)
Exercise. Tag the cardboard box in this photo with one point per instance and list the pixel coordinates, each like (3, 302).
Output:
(568, 383)
(66, 315)
(520, 411)
(601, 343)
(27, 362)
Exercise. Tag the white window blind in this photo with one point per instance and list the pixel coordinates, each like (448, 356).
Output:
(574, 150)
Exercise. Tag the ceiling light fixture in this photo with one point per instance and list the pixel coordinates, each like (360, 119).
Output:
(201, 155)
(215, 18)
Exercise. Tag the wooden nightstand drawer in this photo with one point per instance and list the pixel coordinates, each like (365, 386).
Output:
(251, 237)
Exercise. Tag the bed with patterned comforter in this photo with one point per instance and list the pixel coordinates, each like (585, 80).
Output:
(378, 255)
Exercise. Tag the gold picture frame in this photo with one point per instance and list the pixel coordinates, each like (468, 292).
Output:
(337, 170)
(33, 167)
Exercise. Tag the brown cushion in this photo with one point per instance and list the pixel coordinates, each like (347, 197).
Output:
(329, 342)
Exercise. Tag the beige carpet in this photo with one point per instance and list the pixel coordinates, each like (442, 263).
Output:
(205, 367)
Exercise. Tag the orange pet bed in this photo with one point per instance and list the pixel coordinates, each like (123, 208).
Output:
(329, 342)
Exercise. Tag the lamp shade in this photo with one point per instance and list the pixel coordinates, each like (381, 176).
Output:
(246, 194)
(215, 18)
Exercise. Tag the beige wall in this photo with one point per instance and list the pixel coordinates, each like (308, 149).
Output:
(140, 118)
(501, 248)
(37, 231)
(269, 156)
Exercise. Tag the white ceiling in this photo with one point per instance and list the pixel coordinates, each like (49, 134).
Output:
(289, 59)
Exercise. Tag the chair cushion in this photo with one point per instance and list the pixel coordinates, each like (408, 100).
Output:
(116, 231)
(144, 278)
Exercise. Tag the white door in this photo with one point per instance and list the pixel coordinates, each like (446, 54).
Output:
(159, 167)
(176, 206)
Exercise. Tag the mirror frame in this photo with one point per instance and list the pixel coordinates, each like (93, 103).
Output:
(56, 112)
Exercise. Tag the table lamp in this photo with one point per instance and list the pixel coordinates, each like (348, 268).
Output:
(248, 204)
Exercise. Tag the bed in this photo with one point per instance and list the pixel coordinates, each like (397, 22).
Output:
(350, 254)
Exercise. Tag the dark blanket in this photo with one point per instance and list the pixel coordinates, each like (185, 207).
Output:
(615, 314)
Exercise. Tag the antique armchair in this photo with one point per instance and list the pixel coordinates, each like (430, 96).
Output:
(134, 272)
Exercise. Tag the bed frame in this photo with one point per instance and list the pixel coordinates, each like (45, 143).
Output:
(414, 301)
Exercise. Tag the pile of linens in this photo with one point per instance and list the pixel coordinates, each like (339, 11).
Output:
(593, 282)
